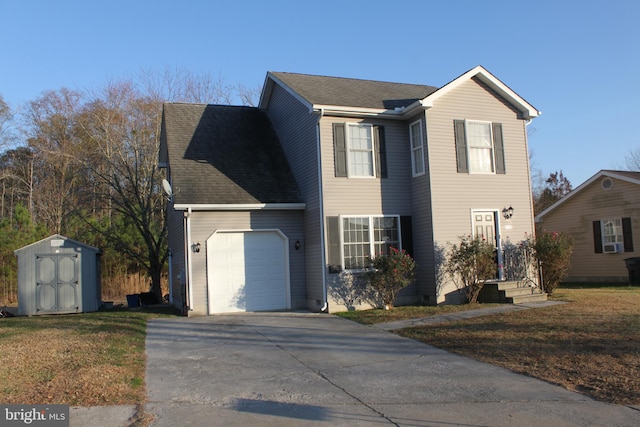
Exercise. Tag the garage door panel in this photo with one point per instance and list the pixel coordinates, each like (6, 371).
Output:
(247, 271)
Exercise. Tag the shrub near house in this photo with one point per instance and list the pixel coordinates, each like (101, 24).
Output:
(391, 273)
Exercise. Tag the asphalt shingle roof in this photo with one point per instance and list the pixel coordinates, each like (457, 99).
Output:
(226, 155)
(338, 91)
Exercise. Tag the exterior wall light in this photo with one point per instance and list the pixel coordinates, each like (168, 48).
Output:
(507, 213)
(297, 245)
(195, 248)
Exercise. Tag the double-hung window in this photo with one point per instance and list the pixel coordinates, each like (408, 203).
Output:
(364, 237)
(417, 148)
(612, 231)
(613, 235)
(479, 147)
(360, 149)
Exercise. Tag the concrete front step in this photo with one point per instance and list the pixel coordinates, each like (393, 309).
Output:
(509, 292)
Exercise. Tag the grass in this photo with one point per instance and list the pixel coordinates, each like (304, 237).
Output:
(371, 317)
(88, 359)
(590, 345)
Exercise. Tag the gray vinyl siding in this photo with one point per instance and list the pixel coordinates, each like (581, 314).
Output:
(453, 194)
(369, 196)
(296, 129)
(424, 253)
(575, 217)
(204, 224)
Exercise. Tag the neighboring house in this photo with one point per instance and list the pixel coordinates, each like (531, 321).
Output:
(327, 172)
(601, 216)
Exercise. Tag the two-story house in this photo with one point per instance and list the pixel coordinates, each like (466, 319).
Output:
(269, 204)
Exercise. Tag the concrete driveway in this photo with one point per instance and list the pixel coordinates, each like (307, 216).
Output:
(300, 369)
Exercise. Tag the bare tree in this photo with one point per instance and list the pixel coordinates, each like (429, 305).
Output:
(123, 128)
(633, 159)
(50, 135)
(556, 187)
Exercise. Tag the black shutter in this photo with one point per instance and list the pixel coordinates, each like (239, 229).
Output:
(627, 235)
(461, 146)
(381, 151)
(406, 232)
(340, 149)
(498, 146)
(597, 237)
(333, 240)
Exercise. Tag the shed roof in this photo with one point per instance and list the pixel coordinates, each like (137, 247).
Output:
(225, 155)
(57, 237)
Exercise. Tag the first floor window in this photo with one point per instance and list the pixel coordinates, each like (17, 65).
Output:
(612, 231)
(613, 235)
(364, 237)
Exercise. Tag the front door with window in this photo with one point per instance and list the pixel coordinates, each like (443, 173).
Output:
(485, 226)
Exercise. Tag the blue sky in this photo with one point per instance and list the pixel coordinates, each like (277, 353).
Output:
(576, 61)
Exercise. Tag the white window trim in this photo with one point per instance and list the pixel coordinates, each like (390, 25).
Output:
(372, 242)
(348, 145)
(493, 148)
(414, 149)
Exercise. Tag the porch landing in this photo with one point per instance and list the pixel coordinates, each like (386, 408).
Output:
(510, 292)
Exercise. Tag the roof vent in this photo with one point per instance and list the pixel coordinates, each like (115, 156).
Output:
(607, 184)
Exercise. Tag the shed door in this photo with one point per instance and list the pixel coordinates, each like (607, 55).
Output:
(247, 271)
(57, 283)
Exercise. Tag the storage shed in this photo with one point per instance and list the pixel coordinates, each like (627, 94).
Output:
(58, 275)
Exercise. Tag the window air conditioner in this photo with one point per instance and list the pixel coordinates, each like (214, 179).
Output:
(612, 248)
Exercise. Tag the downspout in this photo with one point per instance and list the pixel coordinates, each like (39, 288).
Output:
(325, 306)
(187, 258)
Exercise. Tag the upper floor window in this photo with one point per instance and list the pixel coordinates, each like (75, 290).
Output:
(359, 150)
(479, 147)
(417, 149)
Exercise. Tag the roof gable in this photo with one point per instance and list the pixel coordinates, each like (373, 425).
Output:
(527, 110)
(225, 155)
(628, 176)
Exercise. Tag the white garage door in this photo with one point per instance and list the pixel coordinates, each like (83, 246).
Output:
(247, 271)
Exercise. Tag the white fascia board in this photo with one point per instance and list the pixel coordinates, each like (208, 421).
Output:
(241, 207)
(528, 110)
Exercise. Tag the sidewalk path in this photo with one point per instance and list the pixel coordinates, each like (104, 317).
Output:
(462, 315)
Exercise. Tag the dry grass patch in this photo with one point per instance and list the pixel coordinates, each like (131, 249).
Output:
(81, 360)
(591, 345)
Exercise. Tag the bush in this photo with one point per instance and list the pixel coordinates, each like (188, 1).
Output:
(390, 274)
(470, 264)
(553, 253)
